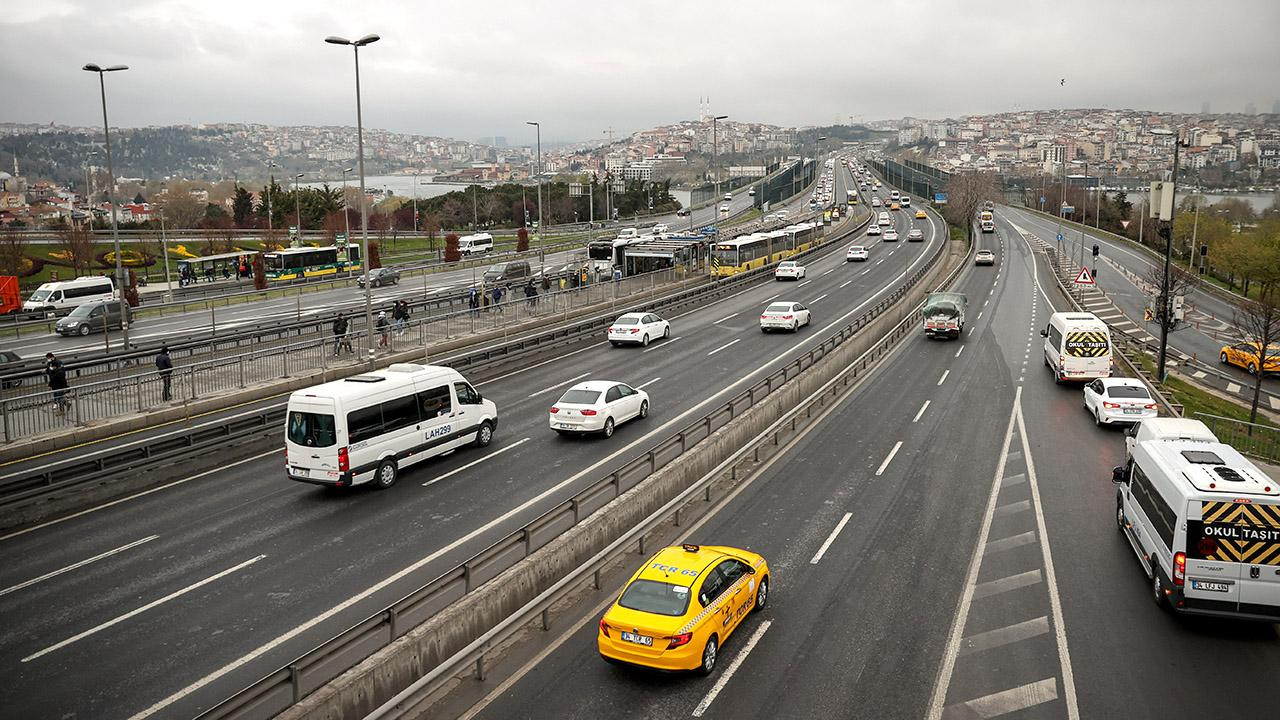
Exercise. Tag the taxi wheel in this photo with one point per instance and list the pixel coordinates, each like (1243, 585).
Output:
(484, 435)
(385, 476)
(644, 409)
(608, 428)
(709, 656)
(762, 594)
(666, 332)
(644, 341)
(1222, 358)
(1253, 368)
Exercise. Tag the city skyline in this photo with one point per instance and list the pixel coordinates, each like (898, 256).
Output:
(587, 68)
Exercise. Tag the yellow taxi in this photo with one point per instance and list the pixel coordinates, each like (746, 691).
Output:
(681, 606)
(920, 215)
(895, 206)
(1245, 355)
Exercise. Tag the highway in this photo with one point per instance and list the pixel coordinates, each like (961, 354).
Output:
(942, 545)
(231, 572)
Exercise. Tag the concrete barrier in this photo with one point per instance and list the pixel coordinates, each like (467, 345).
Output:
(379, 677)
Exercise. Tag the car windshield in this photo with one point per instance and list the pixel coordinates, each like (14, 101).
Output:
(581, 397)
(1128, 391)
(311, 429)
(786, 265)
(655, 597)
(778, 308)
(627, 321)
(40, 295)
(81, 311)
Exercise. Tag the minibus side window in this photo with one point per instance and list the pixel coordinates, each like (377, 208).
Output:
(435, 402)
(364, 424)
(466, 394)
(399, 413)
(1162, 517)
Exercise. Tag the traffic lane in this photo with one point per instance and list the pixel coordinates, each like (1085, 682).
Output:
(299, 551)
(810, 664)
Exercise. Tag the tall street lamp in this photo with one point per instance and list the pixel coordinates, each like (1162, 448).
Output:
(88, 188)
(346, 215)
(364, 210)
(715, 161)
(415, 202)
(538, 126)
(271, 180)
(297, 204)
(111, 189)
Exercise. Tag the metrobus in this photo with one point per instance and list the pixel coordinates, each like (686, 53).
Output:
(748, 252)
(611, 251)
(294, 263)
(217, 267)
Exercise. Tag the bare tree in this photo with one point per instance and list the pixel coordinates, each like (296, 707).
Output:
(77, 246)
(12, 249)
(1181, 284)
(966, 193)
(182, 209)
(1259, 325)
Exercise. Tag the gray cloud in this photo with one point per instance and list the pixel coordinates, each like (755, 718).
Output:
(474, 69)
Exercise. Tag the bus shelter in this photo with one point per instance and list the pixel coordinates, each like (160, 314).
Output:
(662, 253)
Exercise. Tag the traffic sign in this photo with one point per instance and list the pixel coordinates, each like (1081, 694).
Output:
(1041, 199)
(1067, 209)
(1124, 224)
(1060, 238)
(1084, 278)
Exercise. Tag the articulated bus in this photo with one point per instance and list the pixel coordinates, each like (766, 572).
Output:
(293, 263)
(759, 249)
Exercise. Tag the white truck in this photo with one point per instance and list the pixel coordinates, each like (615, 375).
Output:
(944, 314)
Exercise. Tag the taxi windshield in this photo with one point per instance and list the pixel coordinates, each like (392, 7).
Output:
(655, 597)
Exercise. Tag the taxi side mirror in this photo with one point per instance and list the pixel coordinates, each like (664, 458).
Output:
(1117, 474)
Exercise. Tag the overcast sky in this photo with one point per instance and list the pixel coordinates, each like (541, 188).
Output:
(473, 69)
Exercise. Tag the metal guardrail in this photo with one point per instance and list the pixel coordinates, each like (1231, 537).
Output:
(280, 689)
(1252, 439)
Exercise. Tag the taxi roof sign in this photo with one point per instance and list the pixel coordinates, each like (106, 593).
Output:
(690, 547)
(1084, 278)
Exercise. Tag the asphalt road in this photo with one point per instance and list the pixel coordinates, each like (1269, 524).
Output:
(208, 584)
(979, 573)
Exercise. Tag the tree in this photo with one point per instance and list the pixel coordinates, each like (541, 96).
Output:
(1181, 284)
(182, 210)
(138, 199)
(241, 207)
(259, 274)
(454, 213)
(1259, 325)
(12, 253)
(431, 226)
(966, 193)
(77, 248)
(131, 290)
(451, 251)
(492, 209)
(375, 255)
(522, 240)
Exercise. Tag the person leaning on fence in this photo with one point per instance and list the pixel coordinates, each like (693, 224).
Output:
(473, 300)
(57, 376)
(340, 339)
(400, 313)
(164, 364)
(382, 326)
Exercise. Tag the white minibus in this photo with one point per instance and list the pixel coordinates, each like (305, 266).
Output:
(61, 297)
(473, 244)
(366, 428)
(1077, 346)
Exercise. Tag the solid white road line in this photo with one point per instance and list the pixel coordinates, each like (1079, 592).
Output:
(726, 317)
(142, 609)
(889, 459)
(733, 667)
(823, 295)
(960, 351)
(643, 385)
(923, 407)
(722, 347)
(943, 379)
(558, 385)
(80, 564)
(477, 461)
(663, 344)
(830, 539)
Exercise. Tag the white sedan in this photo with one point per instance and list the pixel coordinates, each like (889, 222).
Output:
(1119, 400)
(598, 406)
(638, 328)
(873, 229)
(857, 253)
(784, 316)
(890, 235)
(724, 209)
(788, 270)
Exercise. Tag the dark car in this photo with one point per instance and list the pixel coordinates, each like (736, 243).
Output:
(381, 276)
(8, 363)
(507, 271)
(93, 317)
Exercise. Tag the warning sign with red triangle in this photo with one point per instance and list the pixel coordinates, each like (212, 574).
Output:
(1084, 278)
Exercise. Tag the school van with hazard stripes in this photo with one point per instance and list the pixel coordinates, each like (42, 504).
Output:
(368, 427)
(1205, 525)
(1077, 347)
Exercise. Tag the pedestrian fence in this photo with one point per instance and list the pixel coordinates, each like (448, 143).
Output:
(1252, 439)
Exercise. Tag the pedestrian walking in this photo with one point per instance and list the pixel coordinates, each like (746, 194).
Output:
(57, 377)
(562, 283)
(340, 338)
(497, 297)
(164, 364)
(531, 294)
(473, 300)
(383, 326)
(546, 283)
(400, 313)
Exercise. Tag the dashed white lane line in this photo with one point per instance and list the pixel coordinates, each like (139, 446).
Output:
(960, 351)
(663, 344)
(828, 272)
(733, 667)
(823, 295)
(943, 379)
(773, 297)
(888, 459)
(558, 385)
(920, 413)
(475, 462)
(726, 345)
(803, 283)
(80, 564)
(727, 317)
(117, 620)
(643, 385)
(830, 539)
(846, 282)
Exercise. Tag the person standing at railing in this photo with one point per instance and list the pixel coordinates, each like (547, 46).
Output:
(531, 293)
(497, 297)
(400, 313)
(164, 364)
(57, 376)
(340, 339)
(473, 300)
(383, 327)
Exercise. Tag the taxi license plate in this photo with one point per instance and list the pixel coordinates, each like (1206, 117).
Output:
(638, 639)
(1210, 586)
(302, 472)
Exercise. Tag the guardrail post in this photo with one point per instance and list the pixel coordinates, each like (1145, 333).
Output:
(480, 668)
(137, 386)
(293, 683)
(75, 403)
(392, 616)
(191, 381)
(4, 412)
(546, 620)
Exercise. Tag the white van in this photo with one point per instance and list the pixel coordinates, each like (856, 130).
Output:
(366, 428)
(60, 298)
(1205, 525)
(1077, 346)
(1166, 428)
(473, 244)
(883, 220)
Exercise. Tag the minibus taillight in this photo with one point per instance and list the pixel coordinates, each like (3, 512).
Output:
(1179, 568)
(1207, 546)
(344, 460)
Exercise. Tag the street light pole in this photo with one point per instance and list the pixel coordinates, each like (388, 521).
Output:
(111, 192)
(538, 126)
(297, 204)
(1167, 232)
(346, 215)
(271, 180)
(364, 210)
(415, 202)
(715, 154)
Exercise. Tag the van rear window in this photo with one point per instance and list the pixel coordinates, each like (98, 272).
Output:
(311, 429)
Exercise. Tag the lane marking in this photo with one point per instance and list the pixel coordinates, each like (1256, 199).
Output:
(144, 608)
(1014, 507)
(641, 386)
(923, 407)
(475, 462)
(1233, 388)
(80, 564)
(804, 282)
(733, 667)
(1199, 374)
(722, 347)
(943, 379)
(828, 272)
(889, 459)
(960, 351)
(726, 317)
(1011, 542)
(817, 298)
(1013, 699)
(773, 297)
(558, 385)
(830, 539)
(846, 282)
(1006, 635)
(526, 368)
(664, 343)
